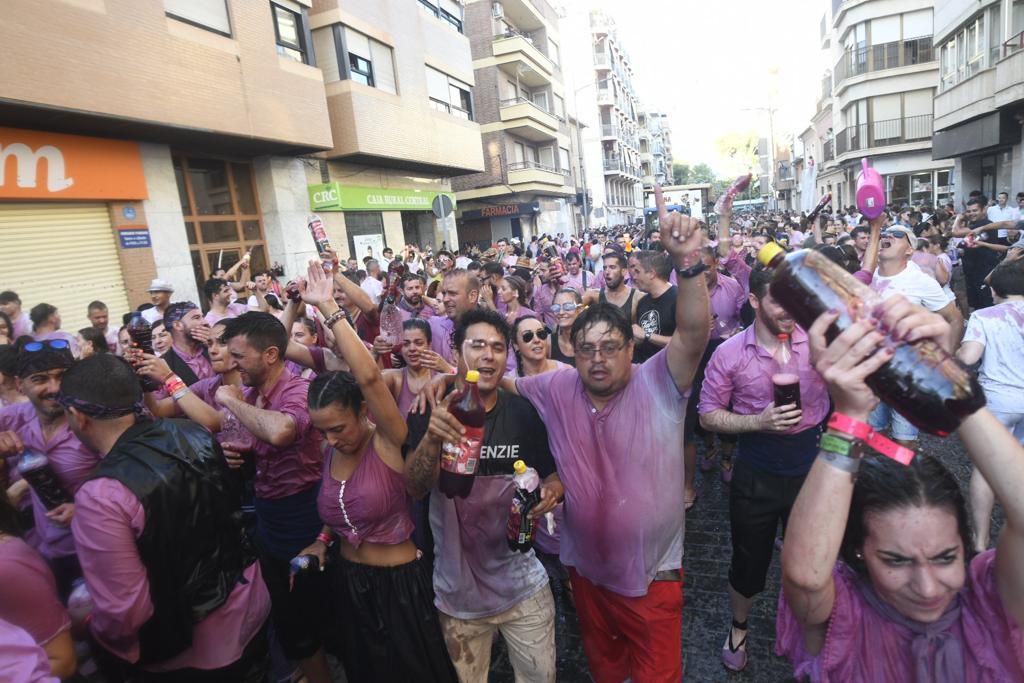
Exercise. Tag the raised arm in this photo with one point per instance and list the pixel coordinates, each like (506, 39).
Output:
(681, 237)
(874, 240)
(318, 291)
(820, 513)
(271, 426)
(1000, 459)
(356, 294)
(194, 407)
(725, 230)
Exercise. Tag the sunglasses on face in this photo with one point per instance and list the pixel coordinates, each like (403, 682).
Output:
(57, 344)
(542, 334)
(567, 308)
(894, 233)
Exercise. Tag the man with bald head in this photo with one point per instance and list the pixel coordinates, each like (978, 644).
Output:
(460, 292)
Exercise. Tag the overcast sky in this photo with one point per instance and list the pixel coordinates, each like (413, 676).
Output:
(704, 61)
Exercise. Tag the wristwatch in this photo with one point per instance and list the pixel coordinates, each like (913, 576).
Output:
(692, 271)
(647, 336)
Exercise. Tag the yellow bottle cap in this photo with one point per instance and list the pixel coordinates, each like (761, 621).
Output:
(519, 466)
(472, 376)
(768, 252)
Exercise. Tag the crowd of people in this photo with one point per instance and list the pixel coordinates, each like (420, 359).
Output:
(262, 486)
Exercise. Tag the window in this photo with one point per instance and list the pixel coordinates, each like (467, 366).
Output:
(553, 51)
(222, 214)
(325, 47)
(448, 11)
(370, 62)
(449, 95)
(563, 160)
(559, 107)
(973, 48)
(289, 30)
(209, 14)
(361, 70)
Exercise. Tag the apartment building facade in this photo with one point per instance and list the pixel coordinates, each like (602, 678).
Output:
(979, 107)
(529, 182)
(398, 81)
(655, 149)
(882, 88)
(179, 134)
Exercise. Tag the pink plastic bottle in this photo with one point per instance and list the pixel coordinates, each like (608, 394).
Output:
(870, 192)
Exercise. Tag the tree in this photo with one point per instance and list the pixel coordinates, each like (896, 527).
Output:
(702, 173)
(680, 174)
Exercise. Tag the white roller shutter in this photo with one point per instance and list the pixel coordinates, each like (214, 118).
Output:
(63, 255)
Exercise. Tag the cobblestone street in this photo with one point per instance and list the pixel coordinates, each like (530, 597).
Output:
(706, 607)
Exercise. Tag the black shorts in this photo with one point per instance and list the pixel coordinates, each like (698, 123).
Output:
(388, 625)
(299, 614)
(757, 503)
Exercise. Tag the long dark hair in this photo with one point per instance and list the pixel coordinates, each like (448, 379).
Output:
(515, 341)
(884, 484)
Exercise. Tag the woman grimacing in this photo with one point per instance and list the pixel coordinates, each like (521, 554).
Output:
(878, 581)
(382, 588)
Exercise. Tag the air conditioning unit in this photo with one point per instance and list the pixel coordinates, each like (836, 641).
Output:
(497, 11)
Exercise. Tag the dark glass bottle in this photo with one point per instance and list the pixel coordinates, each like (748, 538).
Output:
(141, 334)
(922, 382)
(34, 467)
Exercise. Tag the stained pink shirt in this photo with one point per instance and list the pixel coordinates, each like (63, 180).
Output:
(622, 468)
(726, 300)
(442, 329)
(862, 645)
(198, 362)
(281, 472)
(543, 297)
(71, 462)
(21, 659)
(738, 268)
(109, 519)
(28, 592)
(740, 374)
(407, 313)
(233, 311)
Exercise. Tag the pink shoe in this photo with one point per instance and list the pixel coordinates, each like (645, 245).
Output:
(734, 657)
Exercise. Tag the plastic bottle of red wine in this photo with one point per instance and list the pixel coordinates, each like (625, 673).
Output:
(520, 530)
(786, 377)
(460, 461)
(141, 334)
(922, 382)
(34, 467)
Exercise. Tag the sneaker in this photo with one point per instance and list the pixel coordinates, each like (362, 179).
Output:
(734, 657)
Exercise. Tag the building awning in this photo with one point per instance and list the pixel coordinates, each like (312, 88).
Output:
(997, 129)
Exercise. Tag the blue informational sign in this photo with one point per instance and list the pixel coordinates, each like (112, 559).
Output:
(129, 212)
(134, 238)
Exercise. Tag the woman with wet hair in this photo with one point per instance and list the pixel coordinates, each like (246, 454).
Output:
(879, 581)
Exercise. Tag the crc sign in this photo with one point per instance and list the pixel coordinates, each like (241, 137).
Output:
(338, 197)
(37, 165)
(327, 197)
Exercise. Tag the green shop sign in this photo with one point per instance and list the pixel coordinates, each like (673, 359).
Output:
(338, 197)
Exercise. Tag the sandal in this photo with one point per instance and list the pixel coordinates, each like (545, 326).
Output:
(733, 657)
(688, 503)
(726, 470)
(707, 461)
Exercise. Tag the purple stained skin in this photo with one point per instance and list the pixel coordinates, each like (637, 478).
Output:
(740, 184)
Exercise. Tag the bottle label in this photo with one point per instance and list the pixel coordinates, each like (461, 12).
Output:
(463, 457)
(520, 527)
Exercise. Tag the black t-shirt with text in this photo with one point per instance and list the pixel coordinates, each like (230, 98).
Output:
(513, 431)
(980, 258)
(657, 316)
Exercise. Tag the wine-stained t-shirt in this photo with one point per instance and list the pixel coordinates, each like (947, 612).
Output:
(476, 575)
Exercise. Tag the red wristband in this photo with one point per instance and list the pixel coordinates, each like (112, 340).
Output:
(847, 425)
(325, 539)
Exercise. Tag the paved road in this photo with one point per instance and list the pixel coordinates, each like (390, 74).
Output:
(706, 608)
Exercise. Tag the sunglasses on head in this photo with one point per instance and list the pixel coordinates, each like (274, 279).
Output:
(56, 344)
(542, 334)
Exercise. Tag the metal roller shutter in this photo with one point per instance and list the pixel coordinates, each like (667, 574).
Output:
(64, 255)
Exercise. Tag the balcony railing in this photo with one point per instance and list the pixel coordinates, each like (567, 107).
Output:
(885, 56)
(523, 100)
(535, 165)
(883, 133)
(829, 150)
(615, 164)
(602, 59)
(1014, 44)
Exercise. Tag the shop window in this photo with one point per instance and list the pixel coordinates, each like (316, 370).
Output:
(209, 14)
(290, 31)
(221, 211)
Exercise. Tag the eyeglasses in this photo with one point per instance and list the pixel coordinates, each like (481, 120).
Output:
(56, 344)
(567, 308)
(607, 349)
(542, 334)
(482, 344)
(894, 233)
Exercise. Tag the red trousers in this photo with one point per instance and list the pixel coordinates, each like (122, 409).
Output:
(638, 638)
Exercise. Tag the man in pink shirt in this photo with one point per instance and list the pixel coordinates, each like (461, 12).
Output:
(274, 408)
(187, 356)
(39, 425)
(412, 303)
(776, 446)
(99, 317)
(176, 595)
(10, 303)
(616, 431)
(218, 292)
